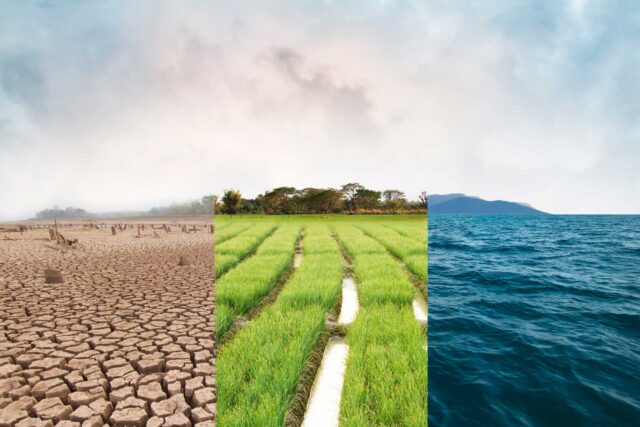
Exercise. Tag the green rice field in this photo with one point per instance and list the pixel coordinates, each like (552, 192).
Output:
(279, 294)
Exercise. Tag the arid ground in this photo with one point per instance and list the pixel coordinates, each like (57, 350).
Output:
(125, 339)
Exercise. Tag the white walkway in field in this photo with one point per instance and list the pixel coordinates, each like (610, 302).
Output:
(297, 259)
(350, 304)
(323, 408)
(420, 309)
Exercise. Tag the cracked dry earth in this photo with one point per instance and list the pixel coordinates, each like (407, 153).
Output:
(126, 340)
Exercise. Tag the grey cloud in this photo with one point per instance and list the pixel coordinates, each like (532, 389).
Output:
(346, 102)
(23, 81)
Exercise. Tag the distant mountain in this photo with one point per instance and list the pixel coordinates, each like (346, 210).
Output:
(470, 205)
(435, 199)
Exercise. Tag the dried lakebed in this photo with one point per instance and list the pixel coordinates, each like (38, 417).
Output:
(126, 339)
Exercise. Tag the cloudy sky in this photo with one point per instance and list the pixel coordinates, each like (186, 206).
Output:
(127, 105)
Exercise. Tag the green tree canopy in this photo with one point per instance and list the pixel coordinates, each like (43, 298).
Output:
(367, 199)
(230, 201)
(394, 199)
(350, 192)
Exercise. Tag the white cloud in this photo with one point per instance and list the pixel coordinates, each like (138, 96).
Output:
(106, 107)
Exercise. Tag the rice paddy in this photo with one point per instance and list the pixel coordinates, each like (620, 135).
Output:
(279, 298)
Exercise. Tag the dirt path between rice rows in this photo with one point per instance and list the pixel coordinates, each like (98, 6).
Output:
(126, 339)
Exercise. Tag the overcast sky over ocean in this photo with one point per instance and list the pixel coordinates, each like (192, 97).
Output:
(108, 106)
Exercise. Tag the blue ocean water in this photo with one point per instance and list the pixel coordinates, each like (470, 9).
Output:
(534, 321)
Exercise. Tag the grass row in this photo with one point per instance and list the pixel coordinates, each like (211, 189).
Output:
(225, 232)
(379, 278)
(230, 252)
(416, 231)
(386, 377)
(259, 370)
(222, 225)
(411, 251)
(241, 288)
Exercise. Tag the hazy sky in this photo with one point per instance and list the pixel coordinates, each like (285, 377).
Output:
(126, 105)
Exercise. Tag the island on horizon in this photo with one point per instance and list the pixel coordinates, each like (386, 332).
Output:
(461, 204)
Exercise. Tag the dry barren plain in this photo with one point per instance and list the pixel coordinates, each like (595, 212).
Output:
(125, 340)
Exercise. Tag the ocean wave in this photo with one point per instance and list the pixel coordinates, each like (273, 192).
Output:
(534, 322)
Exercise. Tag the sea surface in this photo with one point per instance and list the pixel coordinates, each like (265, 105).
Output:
(534, 321)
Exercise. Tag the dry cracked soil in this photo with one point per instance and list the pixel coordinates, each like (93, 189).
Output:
(125, 340)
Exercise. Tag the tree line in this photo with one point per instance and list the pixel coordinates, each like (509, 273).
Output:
(57, 212)
(204, 206)
(349, 198)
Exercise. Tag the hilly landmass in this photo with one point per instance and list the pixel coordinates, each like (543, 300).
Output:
(459, 203)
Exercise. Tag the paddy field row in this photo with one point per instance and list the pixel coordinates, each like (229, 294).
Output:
(279, 295)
